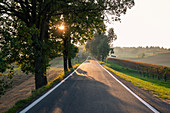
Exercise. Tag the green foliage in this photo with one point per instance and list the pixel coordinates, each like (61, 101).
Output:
(73, 51)
(99, 46)
(111, 36)
(16, 44)
(103, 48)
(25, 27)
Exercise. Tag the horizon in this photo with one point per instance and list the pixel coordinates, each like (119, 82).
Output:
(141, 46)
(146, 24)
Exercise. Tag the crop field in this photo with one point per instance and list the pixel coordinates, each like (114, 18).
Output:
(149, 70)
(149, 77)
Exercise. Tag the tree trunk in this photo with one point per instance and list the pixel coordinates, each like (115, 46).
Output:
(69, 49)
(65, 55)
(41, 59)
(40, 79)
(65, 62)
(165, 77)
(69, 63)
(102, 58)
(45, 55)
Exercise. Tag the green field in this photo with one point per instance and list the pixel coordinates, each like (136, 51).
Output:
(158, 87)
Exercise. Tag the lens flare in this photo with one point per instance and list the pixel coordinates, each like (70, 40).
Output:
(61, 27)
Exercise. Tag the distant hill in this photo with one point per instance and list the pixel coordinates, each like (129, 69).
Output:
(162, 59)
(153, 55)
(139, 52)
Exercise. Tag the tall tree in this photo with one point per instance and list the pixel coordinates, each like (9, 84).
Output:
(111, 37)
(77, 29)
(26, 31)
(99, 46)
(28, 44)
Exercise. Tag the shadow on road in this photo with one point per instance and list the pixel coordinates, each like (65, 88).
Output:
(81, 94)
(87, 61)
(80, 71)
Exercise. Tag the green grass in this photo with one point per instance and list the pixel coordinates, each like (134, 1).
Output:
(56, 61)
(158, 87)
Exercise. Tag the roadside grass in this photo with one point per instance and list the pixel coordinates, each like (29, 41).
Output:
(158, 87)
(36, 93)
(56, 61)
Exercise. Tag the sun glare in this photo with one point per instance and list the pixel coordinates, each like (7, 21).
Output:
(61, 27)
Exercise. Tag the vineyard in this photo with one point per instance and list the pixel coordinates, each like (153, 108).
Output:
(144, 69)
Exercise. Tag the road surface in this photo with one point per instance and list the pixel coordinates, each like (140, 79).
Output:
(90, 90)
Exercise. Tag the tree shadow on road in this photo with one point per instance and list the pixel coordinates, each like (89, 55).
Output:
(87, 61)
(82, 94)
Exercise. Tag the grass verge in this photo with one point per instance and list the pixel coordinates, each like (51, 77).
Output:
(35, 94)
(160, 88)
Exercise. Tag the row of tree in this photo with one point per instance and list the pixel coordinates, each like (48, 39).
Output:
(102, 45)
(140, 47)
(30, 36)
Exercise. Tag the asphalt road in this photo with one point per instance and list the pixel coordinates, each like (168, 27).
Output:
(90, 90)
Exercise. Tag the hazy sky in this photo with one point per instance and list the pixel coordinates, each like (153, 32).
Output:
(146, 24)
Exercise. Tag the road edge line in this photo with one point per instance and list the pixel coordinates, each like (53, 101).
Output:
(135, 95)
(47, 93)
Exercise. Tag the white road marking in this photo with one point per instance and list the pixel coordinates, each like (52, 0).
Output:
(140, 99)
(43, 96)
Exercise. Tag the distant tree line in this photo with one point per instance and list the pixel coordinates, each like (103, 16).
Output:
(147, 47)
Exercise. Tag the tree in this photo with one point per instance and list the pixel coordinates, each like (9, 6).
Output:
(103, 48)
(99, 46)
(73, 52)
(26, 24)
(77, 30)
(26, 36)
(111, 37)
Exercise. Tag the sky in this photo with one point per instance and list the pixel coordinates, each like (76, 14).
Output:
(146, 24)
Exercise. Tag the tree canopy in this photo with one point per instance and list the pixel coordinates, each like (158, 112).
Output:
(25, 29)
(99, 46)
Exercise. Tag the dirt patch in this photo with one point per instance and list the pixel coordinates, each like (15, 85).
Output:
(16, 93)
(22, 87)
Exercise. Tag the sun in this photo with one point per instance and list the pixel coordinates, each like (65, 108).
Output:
(61, 27)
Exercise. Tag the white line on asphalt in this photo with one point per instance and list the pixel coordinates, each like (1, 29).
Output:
(140, 99)
(43, 96)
